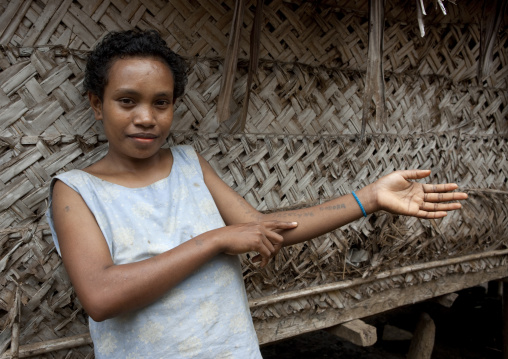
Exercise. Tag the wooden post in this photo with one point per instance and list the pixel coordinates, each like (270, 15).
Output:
(374, 80)
(423, 340)
(505, 318)
(356, 331)
(230, 63)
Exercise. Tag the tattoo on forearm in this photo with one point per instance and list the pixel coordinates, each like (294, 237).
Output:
(67, 208)
(331, 208)
(294, 215)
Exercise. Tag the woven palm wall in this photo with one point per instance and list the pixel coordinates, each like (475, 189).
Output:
(301, 143)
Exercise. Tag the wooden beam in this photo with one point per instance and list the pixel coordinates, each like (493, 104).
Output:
(356, 331)
(255, 39)
(277, 328)
(374, 81)
(230, 63)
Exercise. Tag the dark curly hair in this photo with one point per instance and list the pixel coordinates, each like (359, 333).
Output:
(118, 45)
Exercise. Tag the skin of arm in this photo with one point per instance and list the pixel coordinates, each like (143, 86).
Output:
(394, 193)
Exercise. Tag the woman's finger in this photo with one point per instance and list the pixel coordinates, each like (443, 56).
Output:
(438, 207)
(280, 225)
(268, 245)
(274, 238)
(444, 197)
(431, 215)
(439, 188)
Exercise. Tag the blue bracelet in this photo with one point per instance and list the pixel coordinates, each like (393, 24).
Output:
(359, 203)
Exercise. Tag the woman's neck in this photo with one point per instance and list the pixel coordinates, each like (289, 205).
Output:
(133, 172)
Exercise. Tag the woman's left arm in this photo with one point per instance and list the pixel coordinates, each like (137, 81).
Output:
(396, 193)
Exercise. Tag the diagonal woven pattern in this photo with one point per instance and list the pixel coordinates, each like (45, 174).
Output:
(300, 146)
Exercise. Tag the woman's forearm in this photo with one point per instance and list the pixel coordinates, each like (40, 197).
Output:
(118, 289)
(323, 218)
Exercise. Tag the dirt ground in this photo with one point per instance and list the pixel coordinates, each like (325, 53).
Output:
(470, 329)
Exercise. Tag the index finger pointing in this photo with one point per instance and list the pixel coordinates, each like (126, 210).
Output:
(281, 225)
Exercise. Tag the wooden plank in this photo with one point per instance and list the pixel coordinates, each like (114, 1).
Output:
(356, 331)
(374, 83)
(274, 329)
(230, 63)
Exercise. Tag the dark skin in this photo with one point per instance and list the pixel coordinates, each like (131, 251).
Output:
(137, 112)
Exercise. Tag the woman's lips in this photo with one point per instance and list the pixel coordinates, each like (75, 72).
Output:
(143, 137)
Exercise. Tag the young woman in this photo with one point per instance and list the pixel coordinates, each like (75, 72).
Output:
(150, 236)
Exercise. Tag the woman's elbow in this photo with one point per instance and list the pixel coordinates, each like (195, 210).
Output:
(98, 308)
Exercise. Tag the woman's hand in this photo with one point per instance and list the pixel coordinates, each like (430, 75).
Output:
(396, 193)
(260, 237)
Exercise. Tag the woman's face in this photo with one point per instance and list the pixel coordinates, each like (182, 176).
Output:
(137, 106)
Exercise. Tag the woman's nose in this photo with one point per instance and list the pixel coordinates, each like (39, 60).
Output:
(144, 116)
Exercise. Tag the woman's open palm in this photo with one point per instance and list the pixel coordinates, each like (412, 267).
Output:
(396, 193)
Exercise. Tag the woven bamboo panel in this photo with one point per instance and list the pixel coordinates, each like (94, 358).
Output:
(309, 70)
(300, 146)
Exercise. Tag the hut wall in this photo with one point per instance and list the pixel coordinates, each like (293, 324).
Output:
(301, 143)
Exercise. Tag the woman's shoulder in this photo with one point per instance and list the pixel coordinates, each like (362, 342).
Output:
(70, 176)
(75, 179)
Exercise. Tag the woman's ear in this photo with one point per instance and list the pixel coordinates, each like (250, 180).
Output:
(96, 104)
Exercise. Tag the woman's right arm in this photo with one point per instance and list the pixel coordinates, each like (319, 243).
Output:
(107, 290)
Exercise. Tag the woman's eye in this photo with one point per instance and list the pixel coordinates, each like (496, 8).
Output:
(162, 103)
(126, 101)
